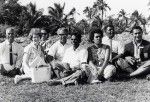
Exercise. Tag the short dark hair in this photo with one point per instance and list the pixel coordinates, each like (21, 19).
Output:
(93, 31)
(47, 34)
(136, 27)
(108, 25)
(77, 34)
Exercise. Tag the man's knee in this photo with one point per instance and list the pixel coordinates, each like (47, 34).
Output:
(57, 65)
(109, 71)
(123, 65)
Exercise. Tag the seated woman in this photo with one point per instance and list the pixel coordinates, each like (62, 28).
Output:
(98, 58)
(33, 56)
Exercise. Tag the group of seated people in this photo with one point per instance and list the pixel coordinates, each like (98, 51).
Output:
(105, 58)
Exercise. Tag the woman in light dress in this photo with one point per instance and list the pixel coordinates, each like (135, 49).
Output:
(33, 56)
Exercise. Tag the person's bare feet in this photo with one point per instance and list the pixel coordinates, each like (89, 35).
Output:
(148, 77)
(17, 79)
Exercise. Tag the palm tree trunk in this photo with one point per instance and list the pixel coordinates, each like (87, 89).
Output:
(102, 14)
(102, 11)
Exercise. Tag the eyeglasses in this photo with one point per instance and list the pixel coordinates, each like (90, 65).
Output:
(62, 34)
(10, 33)
(74, 39)
(98, 37)
(43, 33)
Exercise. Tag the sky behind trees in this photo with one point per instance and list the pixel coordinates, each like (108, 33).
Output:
(116, 5)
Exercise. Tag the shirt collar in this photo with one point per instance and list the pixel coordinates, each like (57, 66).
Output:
(106, 37)
(7, 42)
(137, 44)
(62, 44)
(32, 44)
(77, 49)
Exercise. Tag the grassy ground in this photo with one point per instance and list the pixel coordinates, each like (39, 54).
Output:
(134, 90)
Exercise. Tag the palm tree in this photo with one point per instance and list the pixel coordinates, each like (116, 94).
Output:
(89, 12)
(28, 18)
(137, 20)
(122, 17)
(100, 7)
(122, 20)
(96, 13)
(33, 14)
(58, 17)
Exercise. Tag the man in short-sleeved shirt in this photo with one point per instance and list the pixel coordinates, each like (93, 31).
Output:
(10, 54)
(116, 47)
(45, 42)
(75, 57)
(57, 51)
(74, 60)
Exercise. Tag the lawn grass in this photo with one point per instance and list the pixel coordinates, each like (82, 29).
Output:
(134, 90)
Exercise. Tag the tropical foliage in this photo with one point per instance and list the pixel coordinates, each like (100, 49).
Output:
(26, 17)
(137, 19)
(83, 24)
(59, 18)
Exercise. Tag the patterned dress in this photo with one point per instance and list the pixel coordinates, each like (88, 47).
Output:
(97, 55)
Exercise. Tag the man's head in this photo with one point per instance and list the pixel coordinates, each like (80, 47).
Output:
(44, 35)
(35, 35)
(75, 39)
(137, 33)
(63, 33)
(109, 30)
(96, 36)
(10, 34)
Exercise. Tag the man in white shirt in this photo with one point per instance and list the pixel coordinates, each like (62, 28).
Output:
(57, 51)
(74, 60)
(45, 42)
(117, 48)
(10, 55)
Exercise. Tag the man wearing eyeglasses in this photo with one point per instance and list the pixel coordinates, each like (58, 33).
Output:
(10, 55)
(57, 51)
(74, 61)
(45, 42)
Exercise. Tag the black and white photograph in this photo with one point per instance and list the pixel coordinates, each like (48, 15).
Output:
(74, 50)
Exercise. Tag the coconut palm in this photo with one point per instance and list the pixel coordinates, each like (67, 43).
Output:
(100, 7)
(97, 22)
(122, 17)
(96, 13)
(33, 14)
(59, 18)
(137, 19)
(89, 12)
(122, 20)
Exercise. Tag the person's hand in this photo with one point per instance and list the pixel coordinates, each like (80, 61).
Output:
(131, 60)
(76, 68)
(100, 72)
